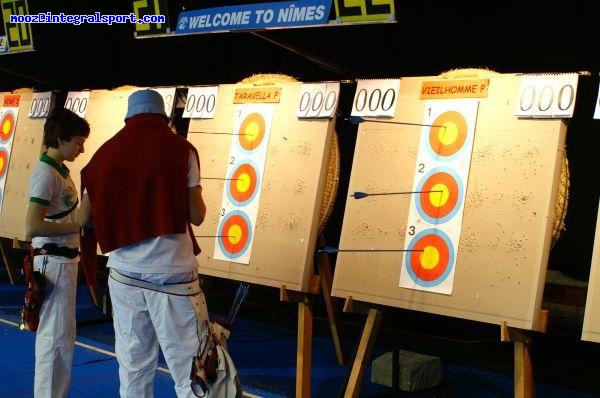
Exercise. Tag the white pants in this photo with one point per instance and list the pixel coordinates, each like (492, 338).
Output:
(55, 337)
(145, 320)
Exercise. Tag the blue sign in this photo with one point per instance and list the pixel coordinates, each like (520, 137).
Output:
(254, 16)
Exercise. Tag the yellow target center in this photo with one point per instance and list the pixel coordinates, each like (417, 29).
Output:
(430, 257)
(6, 127)
(235, 234)
(1, 163)
(448, 134)
(243, 182)
(439, 195)
(251, 131)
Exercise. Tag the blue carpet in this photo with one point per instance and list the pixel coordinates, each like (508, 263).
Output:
(264, 354)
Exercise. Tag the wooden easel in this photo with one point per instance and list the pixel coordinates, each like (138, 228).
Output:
(318, 283)
(304, 338)
(331, 303)
(523, 370)
(365, 346)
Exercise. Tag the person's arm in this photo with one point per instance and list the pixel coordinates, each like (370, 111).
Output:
(84, 217)
(37, 226)
(196, 205)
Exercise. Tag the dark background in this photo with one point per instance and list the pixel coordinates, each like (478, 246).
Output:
(428, 39)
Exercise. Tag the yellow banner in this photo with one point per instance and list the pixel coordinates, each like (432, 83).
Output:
(254, 95)
(477, 88)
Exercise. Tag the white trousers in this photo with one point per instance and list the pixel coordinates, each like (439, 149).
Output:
(55, 337)
(146, 320)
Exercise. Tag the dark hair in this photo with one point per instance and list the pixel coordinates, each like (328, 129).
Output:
(64, 124)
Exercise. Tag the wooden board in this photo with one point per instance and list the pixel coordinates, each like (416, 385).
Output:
(508, 213)
(291, 192)
(27, 144)
(591, 318)
(105, 112)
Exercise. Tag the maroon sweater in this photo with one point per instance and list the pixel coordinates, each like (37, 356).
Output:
(137, 184)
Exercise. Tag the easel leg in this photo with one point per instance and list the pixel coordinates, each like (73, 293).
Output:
(8, 263)
(304, 353)
(365, 349)
(524, 386)
(523, 371)
(324, 267)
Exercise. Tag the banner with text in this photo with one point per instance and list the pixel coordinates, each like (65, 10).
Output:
(254, 16)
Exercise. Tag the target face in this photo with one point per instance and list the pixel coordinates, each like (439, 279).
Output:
(441, 195)
(448, 134)
(3, 162)
(7, 126)
(252, 131)
(243, 183)
(235, 234)
(241, 192)
(433, 258)
(436, 210)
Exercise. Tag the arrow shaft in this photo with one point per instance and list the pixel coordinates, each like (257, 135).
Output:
(376, 250)
(405, 123)
(399, 193)
(211, 132)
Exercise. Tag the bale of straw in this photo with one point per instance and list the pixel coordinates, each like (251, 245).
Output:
(333, 166)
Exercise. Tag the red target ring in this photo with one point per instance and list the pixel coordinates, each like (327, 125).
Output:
(235, 233)
(252, 131)
(448, 134)
(440, 195)
(244, 181)
(3, 162)
(7, 126)
(432, 261)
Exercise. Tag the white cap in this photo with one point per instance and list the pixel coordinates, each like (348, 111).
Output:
(145, 101)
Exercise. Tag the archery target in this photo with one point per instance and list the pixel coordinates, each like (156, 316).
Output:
(435, 217)
(3, 162)
(235, 234)
(447, 135)
(243, 183)
(252, 131)
(7, 125)
(432, 257)
(440, 195)
(241, 193)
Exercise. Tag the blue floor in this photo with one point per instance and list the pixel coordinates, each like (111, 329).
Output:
(265, 355)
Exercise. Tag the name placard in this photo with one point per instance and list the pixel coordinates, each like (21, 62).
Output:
(257, 95)
(476, 88)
